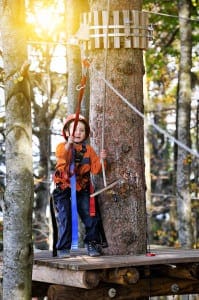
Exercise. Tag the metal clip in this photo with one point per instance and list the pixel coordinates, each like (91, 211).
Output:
(80, 87)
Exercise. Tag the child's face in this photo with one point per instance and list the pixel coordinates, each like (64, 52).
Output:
(80, 132)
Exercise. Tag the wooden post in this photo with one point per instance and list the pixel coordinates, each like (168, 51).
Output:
(116, 20)
(144, 22)
(135, 20)
(126, 22)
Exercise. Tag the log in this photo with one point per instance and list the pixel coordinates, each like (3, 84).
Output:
(143, 288)
(121, 276)
(184, 271)
(39, 289)
(167, 286)
(81, 279)
(58, 292)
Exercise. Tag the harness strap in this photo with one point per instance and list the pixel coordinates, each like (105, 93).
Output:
(74, 244)
(92, 209)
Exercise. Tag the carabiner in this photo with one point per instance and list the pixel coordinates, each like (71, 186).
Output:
(80, 87)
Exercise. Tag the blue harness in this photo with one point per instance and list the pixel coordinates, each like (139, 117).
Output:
(74, 244)
(76, 158)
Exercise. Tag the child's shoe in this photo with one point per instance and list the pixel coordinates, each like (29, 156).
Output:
(92, 249)
(63, 253)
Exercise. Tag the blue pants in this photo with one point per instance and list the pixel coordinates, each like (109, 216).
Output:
(62, 203)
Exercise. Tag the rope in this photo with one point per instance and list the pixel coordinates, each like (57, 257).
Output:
(81, 89)
(171, 16)
(107, 187)
(104, 101)
(162, 131)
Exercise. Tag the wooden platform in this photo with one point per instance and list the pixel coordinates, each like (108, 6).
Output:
(168, 272)
(79, 261)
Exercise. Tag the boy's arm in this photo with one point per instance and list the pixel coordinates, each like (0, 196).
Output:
(96, 165)
(62, 156)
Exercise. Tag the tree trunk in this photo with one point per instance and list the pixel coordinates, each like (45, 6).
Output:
(183, 127)
(17, 272)
(42, 120)
(125, 219)
(74, 8)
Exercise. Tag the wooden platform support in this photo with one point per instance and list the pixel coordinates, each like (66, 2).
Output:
(81, 279)
(143, 288)
(39, 289)
(182, 271)
(122, 277)
(85, 279)
(123, 29)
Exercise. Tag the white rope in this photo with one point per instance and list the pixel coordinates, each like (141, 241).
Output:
(171, 16)
(110, 186)
(104, 102)
(165, 133)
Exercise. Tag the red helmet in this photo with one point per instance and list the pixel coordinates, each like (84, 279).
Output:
(70, 119)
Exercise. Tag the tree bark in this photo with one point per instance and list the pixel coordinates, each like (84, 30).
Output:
(183, 127)
(125, 219)
(74, 8)
(17, 272)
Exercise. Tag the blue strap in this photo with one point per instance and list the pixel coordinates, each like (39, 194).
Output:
(74, 244)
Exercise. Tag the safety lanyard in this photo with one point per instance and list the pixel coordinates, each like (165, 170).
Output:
(74, 211)
(74, 244)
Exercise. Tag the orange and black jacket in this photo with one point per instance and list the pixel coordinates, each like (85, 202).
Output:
(86, 162)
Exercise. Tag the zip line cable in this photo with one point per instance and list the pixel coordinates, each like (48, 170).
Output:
(158, 128)
(171, 16)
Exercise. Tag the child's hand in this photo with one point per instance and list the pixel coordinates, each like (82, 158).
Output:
(103, 154)
(70, 139)
(69, 142)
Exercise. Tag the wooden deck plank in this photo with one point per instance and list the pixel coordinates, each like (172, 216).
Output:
(79, 261)
(80, 270)
(83, 262)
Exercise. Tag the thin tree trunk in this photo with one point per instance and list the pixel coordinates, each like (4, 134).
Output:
(42, 120)
(73, 9)
(17, 272)
(183, 122)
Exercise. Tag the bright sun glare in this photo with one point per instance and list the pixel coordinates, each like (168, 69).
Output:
(44, 18)
(47, 22)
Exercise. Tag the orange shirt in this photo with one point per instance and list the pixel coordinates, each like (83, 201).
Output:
(90, 164)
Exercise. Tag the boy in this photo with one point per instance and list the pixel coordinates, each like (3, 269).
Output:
(86, 162)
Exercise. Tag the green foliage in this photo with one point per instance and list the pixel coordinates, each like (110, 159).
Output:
(167, 236)
(166, 34)
(162, 66)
